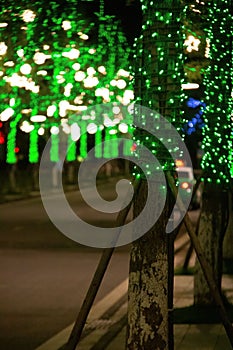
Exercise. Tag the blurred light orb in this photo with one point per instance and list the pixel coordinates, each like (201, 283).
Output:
(75, 132)
(6, 114)
(3, 48)
(66, 25)
(25, 68)
(28, 16)
(123, 128)
(39, 118)
(54, 130)
(92, 128)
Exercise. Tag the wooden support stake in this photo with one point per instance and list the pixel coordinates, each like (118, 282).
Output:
(97, 279)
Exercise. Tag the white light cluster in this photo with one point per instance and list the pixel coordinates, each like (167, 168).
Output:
(25, 68)
(83, 36)
(28, 16)
(26, 126)
(54, 130)
(90, 82)
(207, 49)
(104, 93)
(3, 48)
(75, 132)
(192, 43)
(22, 82)
(66, 25)
(40, 58)
(6, 114)
(9, 64)
(71, 54)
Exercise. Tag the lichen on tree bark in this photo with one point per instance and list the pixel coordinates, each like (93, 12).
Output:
(148, 283)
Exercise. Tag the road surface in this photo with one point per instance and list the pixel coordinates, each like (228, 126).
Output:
(45, 275)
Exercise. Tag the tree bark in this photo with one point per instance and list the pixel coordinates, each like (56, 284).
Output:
(228, 240)
(12, 178)
(211, 233)
(148, 284)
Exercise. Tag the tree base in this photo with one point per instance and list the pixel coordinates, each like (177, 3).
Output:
(196, 314)
(228, 266)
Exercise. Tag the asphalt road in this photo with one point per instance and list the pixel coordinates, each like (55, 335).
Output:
(45, 275)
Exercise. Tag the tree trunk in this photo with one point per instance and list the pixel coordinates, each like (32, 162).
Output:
(228, 240)
(148, 284)
(158, 75)
(12, 178)
(211, 233)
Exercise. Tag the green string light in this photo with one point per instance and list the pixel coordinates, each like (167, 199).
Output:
(218, 132)
(71, 150)
(54, 150)
(33, 146)
(83, 141)
(107, 145)
(98, 143)
(159, 71)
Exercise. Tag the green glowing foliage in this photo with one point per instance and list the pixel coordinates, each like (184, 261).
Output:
(71, 150)
(55, 63)
(54, 150)
(33, 148)
(218, 133)
(98, 145)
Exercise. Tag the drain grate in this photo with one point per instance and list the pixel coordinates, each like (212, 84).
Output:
(99, 324)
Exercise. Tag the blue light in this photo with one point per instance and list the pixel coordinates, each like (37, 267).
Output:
(194, 121)
(193, 103)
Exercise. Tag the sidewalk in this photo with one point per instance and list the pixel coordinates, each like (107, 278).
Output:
(27, 193)
(106, 324)
(186, 336)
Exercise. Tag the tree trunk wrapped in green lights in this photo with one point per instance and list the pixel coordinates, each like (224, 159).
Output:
(217, 144)
(158, 78)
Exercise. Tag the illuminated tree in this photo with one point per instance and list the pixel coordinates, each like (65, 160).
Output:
(158, 80)
(52, 68)
(217, 143)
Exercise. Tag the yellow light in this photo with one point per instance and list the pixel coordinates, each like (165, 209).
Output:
(179, 163)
